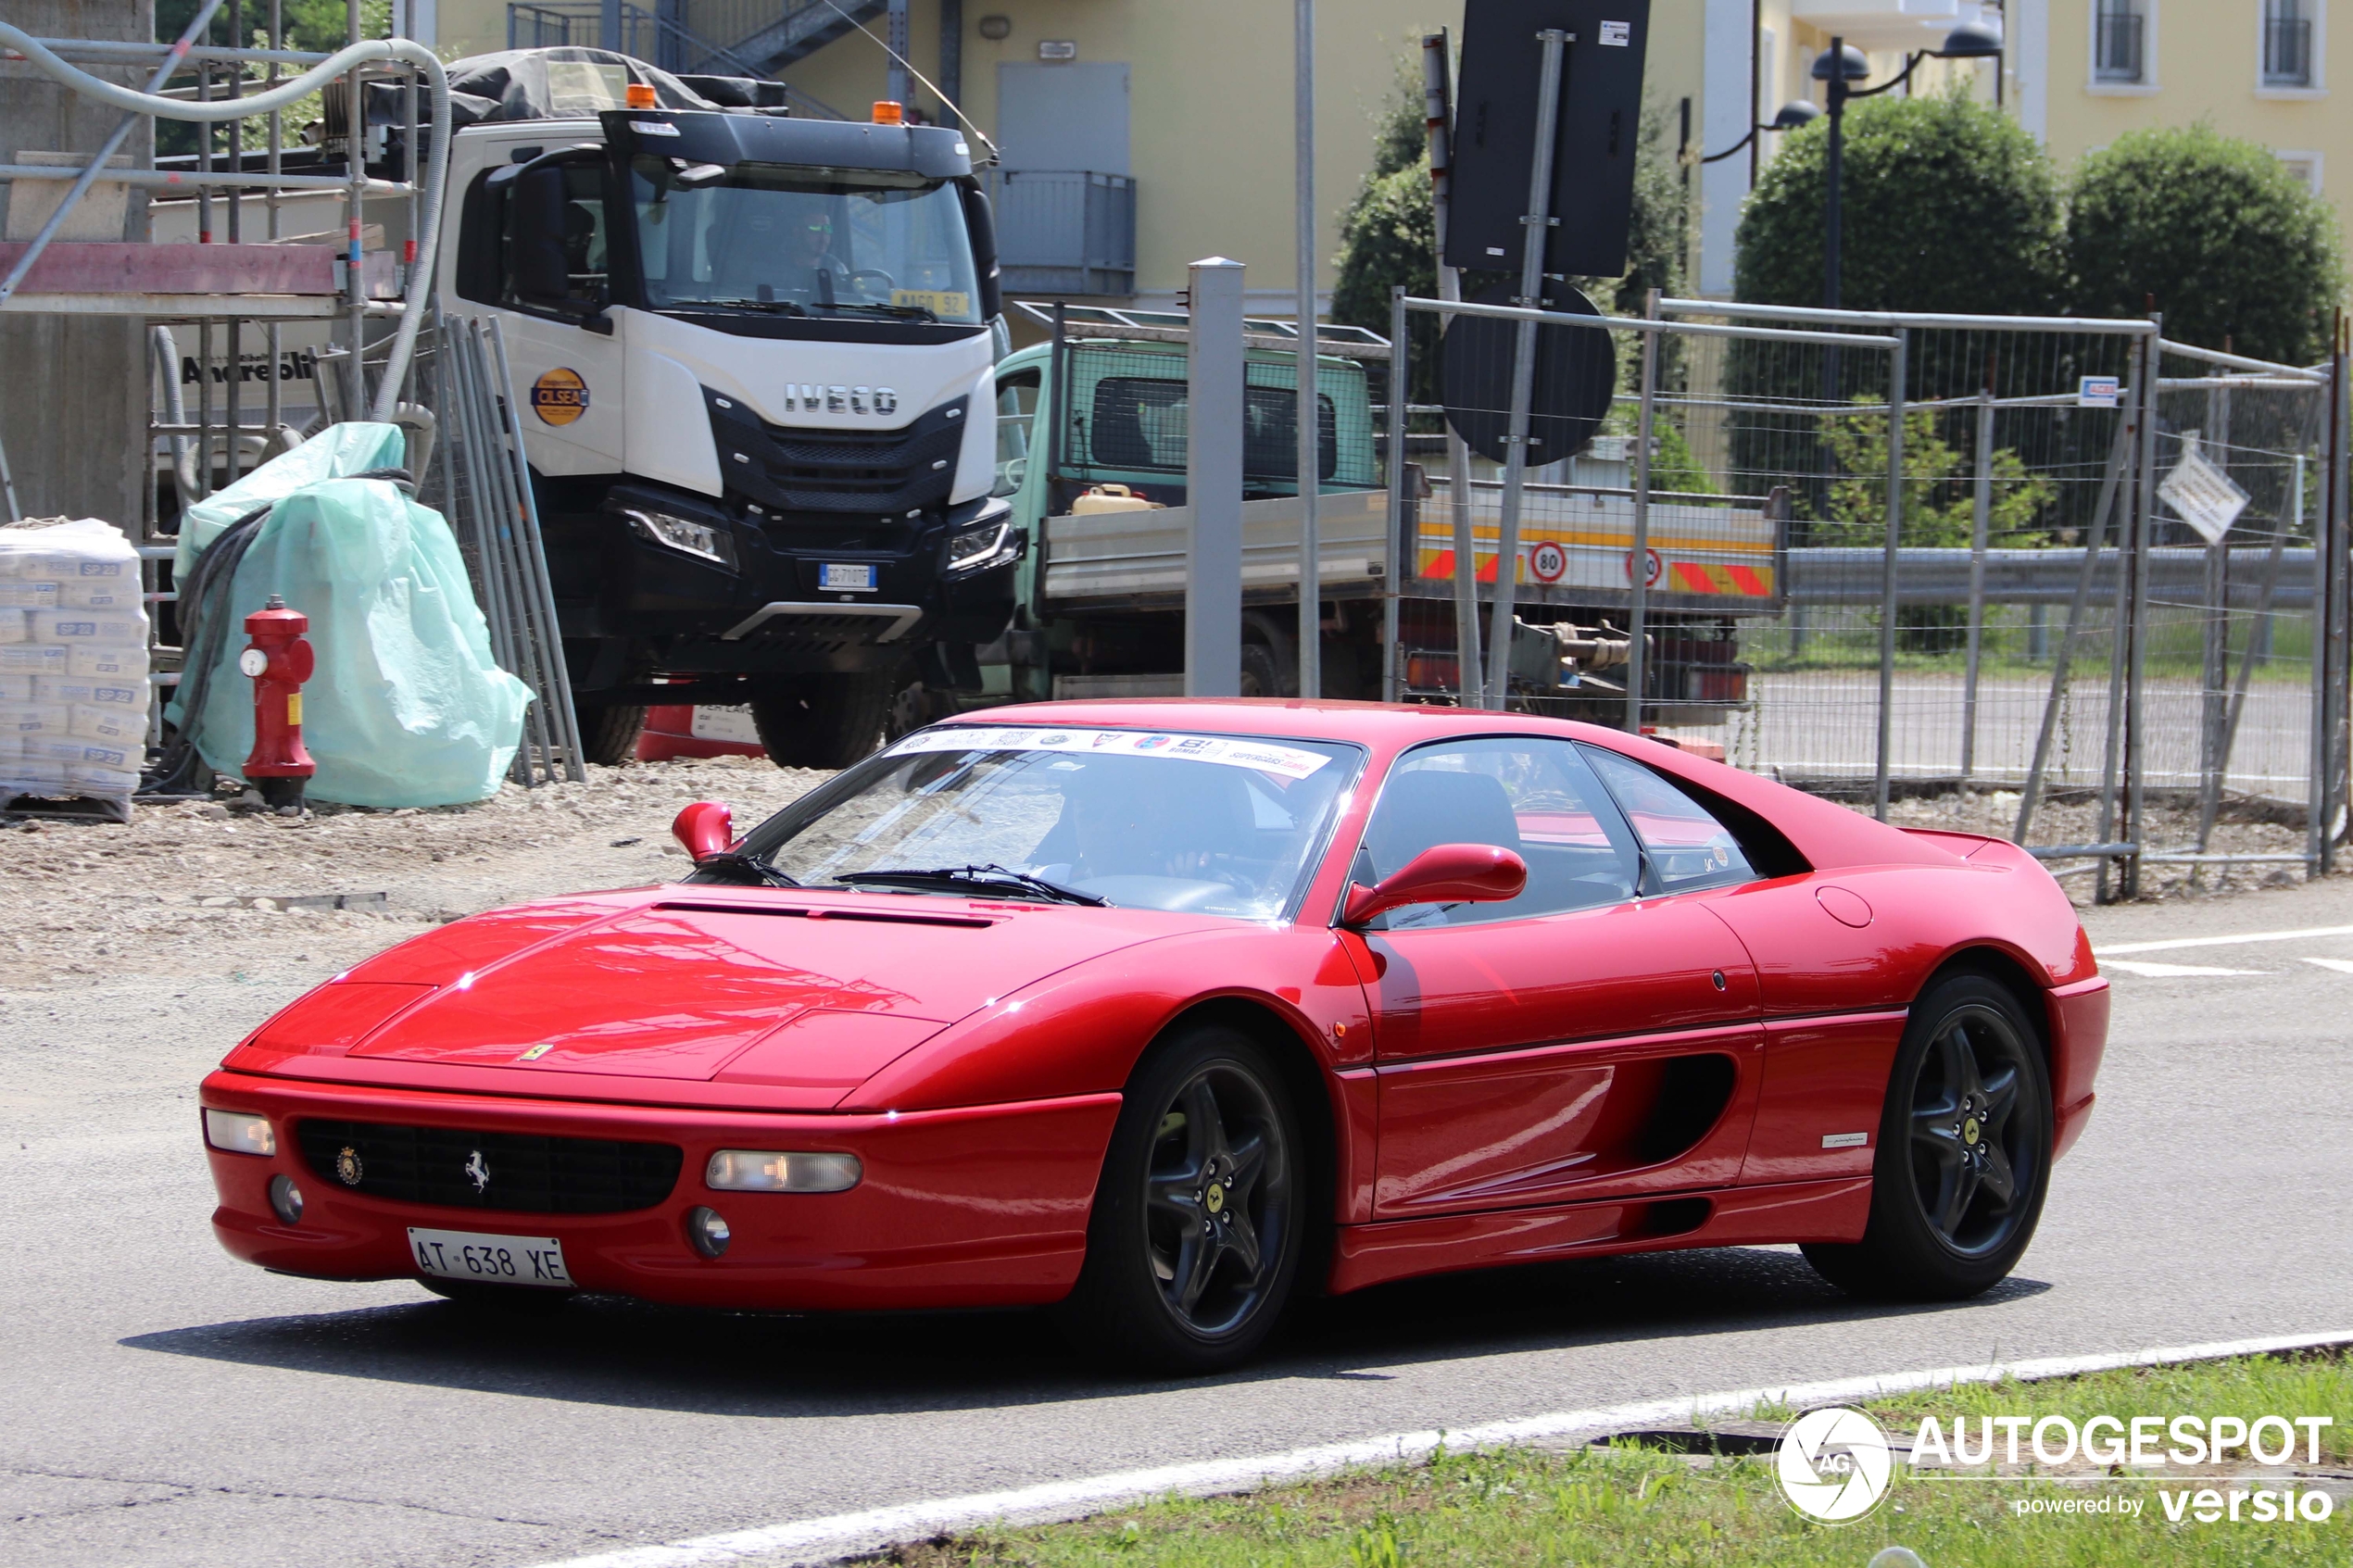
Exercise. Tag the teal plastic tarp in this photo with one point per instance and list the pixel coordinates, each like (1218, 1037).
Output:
(407, 707)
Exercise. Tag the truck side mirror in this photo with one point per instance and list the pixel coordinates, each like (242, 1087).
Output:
(981, 224)
(535, 258)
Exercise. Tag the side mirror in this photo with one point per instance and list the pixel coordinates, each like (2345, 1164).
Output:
(705, 829)
(1446, 873)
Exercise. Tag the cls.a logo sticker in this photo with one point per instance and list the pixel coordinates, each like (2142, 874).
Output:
(558, 396)
(1833, 1465)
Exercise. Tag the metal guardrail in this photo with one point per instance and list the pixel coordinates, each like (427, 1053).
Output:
(1820, 575)
(1065, 231)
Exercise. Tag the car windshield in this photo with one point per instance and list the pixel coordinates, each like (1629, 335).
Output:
(1202, 823)
(801, 240)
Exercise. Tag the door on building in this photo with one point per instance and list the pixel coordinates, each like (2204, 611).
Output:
(1064, 116)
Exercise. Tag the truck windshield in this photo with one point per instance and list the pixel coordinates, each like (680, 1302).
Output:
(1210, 824)
(799, 240)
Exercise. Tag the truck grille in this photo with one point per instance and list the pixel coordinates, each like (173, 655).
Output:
(888, 472)
(520, 1171)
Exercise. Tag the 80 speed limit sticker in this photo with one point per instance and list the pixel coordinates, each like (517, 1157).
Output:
(1547, 562)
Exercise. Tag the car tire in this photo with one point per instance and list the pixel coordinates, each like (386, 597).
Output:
(825, 720)
(503, 1300)
(1193, 1244)
(1964, 1157)
(608, 732)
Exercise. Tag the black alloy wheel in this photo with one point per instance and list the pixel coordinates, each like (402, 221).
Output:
(1193, 1246)
(1963, 1151)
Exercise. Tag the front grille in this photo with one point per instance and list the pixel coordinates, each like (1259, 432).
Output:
(524, 1173)
(884, 472)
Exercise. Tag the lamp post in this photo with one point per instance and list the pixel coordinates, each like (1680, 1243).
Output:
(1840, 67)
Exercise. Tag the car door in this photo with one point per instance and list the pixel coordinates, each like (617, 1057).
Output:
(1581, 1039)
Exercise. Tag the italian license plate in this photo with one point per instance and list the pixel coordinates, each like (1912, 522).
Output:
(847, 576)
(493, 1259)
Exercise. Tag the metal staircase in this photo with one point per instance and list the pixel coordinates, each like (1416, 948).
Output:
(722, 37)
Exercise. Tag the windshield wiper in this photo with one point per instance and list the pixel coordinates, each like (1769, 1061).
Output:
(905, 312)
(981, 877)
(781, 306)
(751, 866)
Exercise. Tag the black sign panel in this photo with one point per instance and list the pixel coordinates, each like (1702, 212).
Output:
(1495, 132)
(1576, 374)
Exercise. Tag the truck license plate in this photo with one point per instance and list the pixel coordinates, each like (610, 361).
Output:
(836, 577)
(494, 1260)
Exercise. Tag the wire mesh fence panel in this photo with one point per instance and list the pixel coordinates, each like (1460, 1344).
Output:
(1880, 555)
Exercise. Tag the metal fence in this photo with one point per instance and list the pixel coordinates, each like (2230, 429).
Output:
(1891, 556)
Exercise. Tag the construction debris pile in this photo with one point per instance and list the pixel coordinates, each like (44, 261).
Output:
(73, 663)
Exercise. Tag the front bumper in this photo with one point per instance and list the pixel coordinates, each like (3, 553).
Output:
(984, 1206)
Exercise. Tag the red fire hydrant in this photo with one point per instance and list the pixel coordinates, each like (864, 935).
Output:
(279, 660)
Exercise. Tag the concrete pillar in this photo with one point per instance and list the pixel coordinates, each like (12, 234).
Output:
(73, 397)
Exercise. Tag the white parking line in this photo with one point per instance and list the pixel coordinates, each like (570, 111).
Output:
(2343, 966)
(836, 1535)
(2148, 971)
(2176, 943)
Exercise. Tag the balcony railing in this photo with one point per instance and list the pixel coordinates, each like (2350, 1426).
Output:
(1067, 232)
(657, 37)
(2116, 49)
(2287, 51)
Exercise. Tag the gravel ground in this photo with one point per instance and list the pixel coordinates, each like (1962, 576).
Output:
(213, 889)
(2077, 821)
(202, 889)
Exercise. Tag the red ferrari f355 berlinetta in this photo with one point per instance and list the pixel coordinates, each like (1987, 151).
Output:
(1172, 1011)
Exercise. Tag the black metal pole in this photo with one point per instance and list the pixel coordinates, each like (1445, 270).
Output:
(1833, 171)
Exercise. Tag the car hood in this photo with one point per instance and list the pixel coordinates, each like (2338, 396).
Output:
(809, 993)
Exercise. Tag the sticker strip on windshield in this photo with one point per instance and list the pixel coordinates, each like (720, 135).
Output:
(1291, 761)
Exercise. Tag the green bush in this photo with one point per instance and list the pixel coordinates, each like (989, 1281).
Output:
(1950, 206)
(2229, 242)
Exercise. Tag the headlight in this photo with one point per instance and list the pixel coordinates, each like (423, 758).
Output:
(681, 534)
(978, 549)
(761, 1170)
(235, 1131)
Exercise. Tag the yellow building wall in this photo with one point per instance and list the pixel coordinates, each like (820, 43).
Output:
(2208, 62)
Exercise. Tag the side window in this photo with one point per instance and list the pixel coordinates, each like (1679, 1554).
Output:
(555, 252)
(1685, 846)
(1534, 797)
(1016, 412)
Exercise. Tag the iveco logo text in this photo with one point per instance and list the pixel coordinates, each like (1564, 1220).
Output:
(802, 397)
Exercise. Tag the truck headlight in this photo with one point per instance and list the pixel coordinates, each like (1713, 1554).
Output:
(761, 1170)
(979, 550)
(684, 536)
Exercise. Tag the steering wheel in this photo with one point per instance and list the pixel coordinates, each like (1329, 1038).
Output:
(858, 280)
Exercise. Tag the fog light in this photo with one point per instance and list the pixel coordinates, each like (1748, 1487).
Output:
(707, 1231)
(235, 1131)
(761, 1170)
(286, 1199)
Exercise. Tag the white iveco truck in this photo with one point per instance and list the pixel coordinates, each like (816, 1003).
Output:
(757, 358)
(755, 354)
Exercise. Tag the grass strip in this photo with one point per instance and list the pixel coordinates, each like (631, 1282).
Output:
(1628, 1504)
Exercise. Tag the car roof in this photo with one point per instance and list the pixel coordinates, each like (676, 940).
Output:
(1825, 833)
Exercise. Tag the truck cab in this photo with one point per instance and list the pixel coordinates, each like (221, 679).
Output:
(756, 360)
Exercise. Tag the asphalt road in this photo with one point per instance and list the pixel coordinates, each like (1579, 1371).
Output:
(160, 1403)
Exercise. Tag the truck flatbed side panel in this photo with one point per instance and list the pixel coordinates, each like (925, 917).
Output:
(1126, 559)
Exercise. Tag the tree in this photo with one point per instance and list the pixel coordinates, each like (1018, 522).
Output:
(1949, 205)
(2232, 245)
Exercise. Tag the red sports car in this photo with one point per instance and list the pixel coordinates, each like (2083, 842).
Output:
(1169, 1012)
